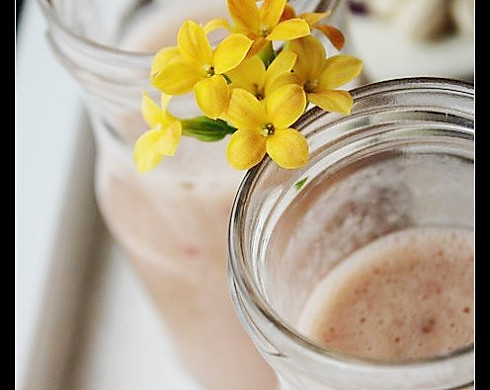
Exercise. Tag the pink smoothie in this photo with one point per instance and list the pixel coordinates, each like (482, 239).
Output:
(409, 294)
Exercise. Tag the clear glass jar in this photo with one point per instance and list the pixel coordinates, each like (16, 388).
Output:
(401, 165)
(172, 222)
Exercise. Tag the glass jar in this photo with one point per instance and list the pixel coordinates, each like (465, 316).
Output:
(172, 222)
(344, 273)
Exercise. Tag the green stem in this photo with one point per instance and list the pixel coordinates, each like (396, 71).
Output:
(267, 54)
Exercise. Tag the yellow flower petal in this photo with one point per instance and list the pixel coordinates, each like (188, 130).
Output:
(146, 151)
(289, 30)
(167, 118)
(212, 95)
(283, 63)
(170, 138)
(230, 52)
(245, 14)
(337, 101)
(314, 17)
(216, 24)
(270, 12)
(339, 70)
(333, 34)
(162, 59)
(258, 45)
(249, 75)
(245, 111)
(288, 148)
(311, 57)
(193, 43)
(285, 105)
(178, 78)
(150, 111)
(284, 79)
(165, 100)
(245, 149)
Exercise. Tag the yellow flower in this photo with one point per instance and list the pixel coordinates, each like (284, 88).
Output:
(320, 76)
(253, 76)
(263, 24)
(249, 85)
(163, 137)
(333, 34)
(263, 126)
(194, 65)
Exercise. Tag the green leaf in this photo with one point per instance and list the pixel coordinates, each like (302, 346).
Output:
(300, 183)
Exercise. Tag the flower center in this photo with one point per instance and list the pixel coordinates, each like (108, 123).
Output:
(264, 31)
(311, 86)
(259, 93)
(209, 70)
(267, 129)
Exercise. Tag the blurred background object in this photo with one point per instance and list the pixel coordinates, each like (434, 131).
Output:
(402, 38)
(18, 10)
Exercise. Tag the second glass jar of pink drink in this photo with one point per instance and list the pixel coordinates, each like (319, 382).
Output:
(171, 222)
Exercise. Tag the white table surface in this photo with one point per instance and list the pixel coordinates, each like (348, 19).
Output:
(82, 319)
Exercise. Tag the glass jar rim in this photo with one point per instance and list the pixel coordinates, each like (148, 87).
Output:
(99, 50)
(102, 51)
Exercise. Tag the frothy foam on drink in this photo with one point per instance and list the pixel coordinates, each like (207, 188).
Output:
(407, 295)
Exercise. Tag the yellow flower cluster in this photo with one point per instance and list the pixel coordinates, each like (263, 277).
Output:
(253, 85)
